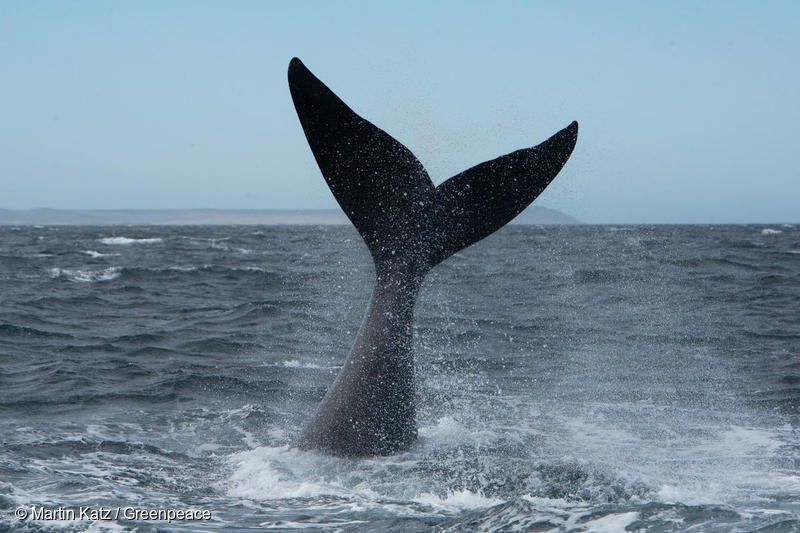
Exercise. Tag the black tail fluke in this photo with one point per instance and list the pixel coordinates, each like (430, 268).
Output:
(388, 195)
(479, 201)
(376, 180)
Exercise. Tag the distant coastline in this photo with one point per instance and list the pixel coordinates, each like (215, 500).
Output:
(534, 215)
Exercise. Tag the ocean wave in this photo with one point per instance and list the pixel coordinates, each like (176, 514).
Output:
(217, 345)
(149, 274)
(542, 514)
(12, 330)
(217, 243)
(96, 255)
(684, 421)
(86, 276)
(456, 501)
(597, 275)
(294, 363)
(138, 277)
(130, 240)
(447, 431)
(224, 247)
(770, 231)
(278, 473)
(205, 268)
(333, 487)
(284, 473)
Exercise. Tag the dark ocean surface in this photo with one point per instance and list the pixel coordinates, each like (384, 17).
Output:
(571, 378)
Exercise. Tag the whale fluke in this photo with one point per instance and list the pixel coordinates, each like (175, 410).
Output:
(409, 227)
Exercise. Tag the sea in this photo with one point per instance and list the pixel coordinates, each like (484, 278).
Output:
(569, 378)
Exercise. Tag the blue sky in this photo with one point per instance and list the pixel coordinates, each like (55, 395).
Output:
(688, 110)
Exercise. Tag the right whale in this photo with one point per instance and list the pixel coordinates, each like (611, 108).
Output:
(409, 226)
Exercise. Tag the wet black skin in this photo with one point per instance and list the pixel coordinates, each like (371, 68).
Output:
(409, 226)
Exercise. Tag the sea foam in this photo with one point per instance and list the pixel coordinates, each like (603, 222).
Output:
(458, 500)
(129, 240)
(86, 276)
(280, 473)
(95, 255)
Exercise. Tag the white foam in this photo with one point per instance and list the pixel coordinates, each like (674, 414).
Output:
(744, 441)
(95, 255)
(445, 427)
(770, 231)
(86, 276)
(294, 363)
(557, 503)
(180, 268)
(696, 465)
(613, 523)
(731, 468)
(129, 240)
(288, 524)
(448, 431)
(100, 526)
(458, 501)
(277, 434)
(215, 244)
(278, 473)
(105, 526)
(16, 494)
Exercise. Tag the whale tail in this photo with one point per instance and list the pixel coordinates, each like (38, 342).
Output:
(389, 197)
(409, 226)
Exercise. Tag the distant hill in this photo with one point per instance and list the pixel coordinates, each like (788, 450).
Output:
(179, 217)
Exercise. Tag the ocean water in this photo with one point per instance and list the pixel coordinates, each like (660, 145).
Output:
(570, 378)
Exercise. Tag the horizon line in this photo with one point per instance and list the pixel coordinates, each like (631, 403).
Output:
(338, 215)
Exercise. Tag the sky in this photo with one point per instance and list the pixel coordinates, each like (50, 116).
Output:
(688, 110)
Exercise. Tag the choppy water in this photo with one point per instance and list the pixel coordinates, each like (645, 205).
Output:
(570, 379)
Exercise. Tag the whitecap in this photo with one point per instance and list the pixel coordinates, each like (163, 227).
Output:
(770, 231)
(610, 523)
(86, 276)
(215, 245)
(458, 500)
(94, 255)
(556, 503)
(129, 240)
(280, 473)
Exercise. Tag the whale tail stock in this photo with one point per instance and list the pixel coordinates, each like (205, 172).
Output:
(409, 226)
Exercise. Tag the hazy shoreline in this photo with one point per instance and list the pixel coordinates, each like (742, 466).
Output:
(534, 215)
